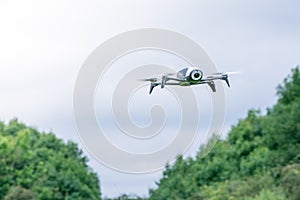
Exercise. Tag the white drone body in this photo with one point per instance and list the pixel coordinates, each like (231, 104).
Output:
(187, 77)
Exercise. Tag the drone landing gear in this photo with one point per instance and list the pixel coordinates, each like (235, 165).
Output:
(152, 86)
(163, 81)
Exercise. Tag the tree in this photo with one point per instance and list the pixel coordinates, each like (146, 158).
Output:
(44, 165)
(19, 193)
(290, 180)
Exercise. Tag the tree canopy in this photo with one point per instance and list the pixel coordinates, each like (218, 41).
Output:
(36, 165)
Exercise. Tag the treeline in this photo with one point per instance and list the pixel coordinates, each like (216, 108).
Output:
(39, 166)
(259, 160)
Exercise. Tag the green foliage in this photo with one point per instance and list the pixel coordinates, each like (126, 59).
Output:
(259, 160)
(42, 165)
(19, 193)
(290, 180)
(290, 90)
(126, 197)
(267, 194)
(246, 188)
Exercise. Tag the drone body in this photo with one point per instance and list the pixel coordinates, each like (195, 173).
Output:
(187, 77)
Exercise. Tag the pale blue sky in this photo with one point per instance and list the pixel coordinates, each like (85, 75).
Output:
(43, 45)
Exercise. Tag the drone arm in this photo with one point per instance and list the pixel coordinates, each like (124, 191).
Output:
(174, 79)
(223, 77)
(172, 84)
(165, 80)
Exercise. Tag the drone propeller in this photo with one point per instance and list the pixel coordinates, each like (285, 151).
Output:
(217, 73)
(223, 73)
(229, 73)
(223, 76)
(149, 79)
(169, 74)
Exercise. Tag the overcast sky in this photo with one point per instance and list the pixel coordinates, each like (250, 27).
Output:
(43, 45)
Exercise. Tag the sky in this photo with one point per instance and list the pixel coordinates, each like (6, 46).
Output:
(43, 45)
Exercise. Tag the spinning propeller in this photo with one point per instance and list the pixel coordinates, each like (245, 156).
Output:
(223, 76)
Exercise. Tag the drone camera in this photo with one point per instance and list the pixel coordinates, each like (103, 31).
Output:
(196, 75)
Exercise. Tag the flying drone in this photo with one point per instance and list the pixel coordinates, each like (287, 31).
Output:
(188, 76)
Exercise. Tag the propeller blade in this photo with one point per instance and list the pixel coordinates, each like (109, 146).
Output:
(148, 79)
(217, 73)
(228, 73)
(169, 74)
(232, 73)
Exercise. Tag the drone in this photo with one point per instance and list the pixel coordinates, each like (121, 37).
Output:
(186, 77)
